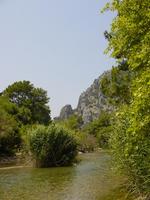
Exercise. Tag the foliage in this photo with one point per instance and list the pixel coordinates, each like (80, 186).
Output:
(21, 105)
(52, 146)
(86, 142)
(130, 41)
(101, 129)
(130, 32)
(10, 139)
(117, 86)
(74, 122)
(7, 106)
(31, 102)
(131, 139)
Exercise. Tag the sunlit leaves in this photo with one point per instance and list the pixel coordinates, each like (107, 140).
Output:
(131, 32)
(130, 40)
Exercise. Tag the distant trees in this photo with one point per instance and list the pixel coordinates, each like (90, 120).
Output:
(101, 128)
(30, 101)
(85, 142)
(74, 122)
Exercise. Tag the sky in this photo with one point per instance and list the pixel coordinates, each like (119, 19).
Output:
(57, 45)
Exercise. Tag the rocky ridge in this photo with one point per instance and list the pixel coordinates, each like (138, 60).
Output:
(91, 103)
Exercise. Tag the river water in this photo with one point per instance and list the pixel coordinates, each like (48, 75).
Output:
(89, 180)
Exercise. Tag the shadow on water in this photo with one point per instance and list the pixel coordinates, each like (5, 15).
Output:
(89, 180)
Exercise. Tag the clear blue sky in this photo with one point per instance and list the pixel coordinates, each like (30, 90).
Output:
(56, 44)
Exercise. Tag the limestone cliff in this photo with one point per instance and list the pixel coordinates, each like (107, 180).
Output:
(66, 112)
(91, 103)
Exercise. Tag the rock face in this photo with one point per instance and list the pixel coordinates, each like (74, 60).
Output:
(91, 103)
(66, 112)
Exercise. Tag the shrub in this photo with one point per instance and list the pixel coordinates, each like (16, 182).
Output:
(131, 138)
(101, 128)
(86, 142)
(74, 122)
(52, 146)
(10, 138)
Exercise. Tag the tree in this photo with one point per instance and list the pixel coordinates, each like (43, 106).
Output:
(117, 86)
(130, 33)
(7, 106)
(10, 139)
(130, 41)
(32, 102)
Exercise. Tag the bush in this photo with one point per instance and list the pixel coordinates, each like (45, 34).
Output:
(52, 146)
(74, 122)
(131, 138)
(86, 142)
(101, 128)
(10, 138)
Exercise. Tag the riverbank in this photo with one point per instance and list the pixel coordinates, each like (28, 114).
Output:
(26, 160)
(9, 160)
(15, 161)
(119, 194)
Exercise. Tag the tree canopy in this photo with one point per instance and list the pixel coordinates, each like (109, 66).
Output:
(130, 32)
(32, 102)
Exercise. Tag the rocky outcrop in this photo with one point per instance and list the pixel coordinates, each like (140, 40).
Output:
(91, 103)
(66, 112)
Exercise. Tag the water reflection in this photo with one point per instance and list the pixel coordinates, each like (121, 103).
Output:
(87, 181)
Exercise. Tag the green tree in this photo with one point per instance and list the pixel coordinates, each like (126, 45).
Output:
(130, 33)
(7, 106)
(130, 41)
(32, 102)
(117, 86)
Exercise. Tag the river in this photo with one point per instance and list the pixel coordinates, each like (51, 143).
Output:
(89, 180)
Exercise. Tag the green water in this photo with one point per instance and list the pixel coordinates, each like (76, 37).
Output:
(89, 180)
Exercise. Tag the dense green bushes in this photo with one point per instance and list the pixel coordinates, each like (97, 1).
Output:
(74, 122)
(130, 41)
(52, 146)
(10, 139)
(131, 139)
(86, 142)
(101, 128)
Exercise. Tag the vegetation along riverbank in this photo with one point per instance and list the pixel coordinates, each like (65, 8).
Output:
(112, 115)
